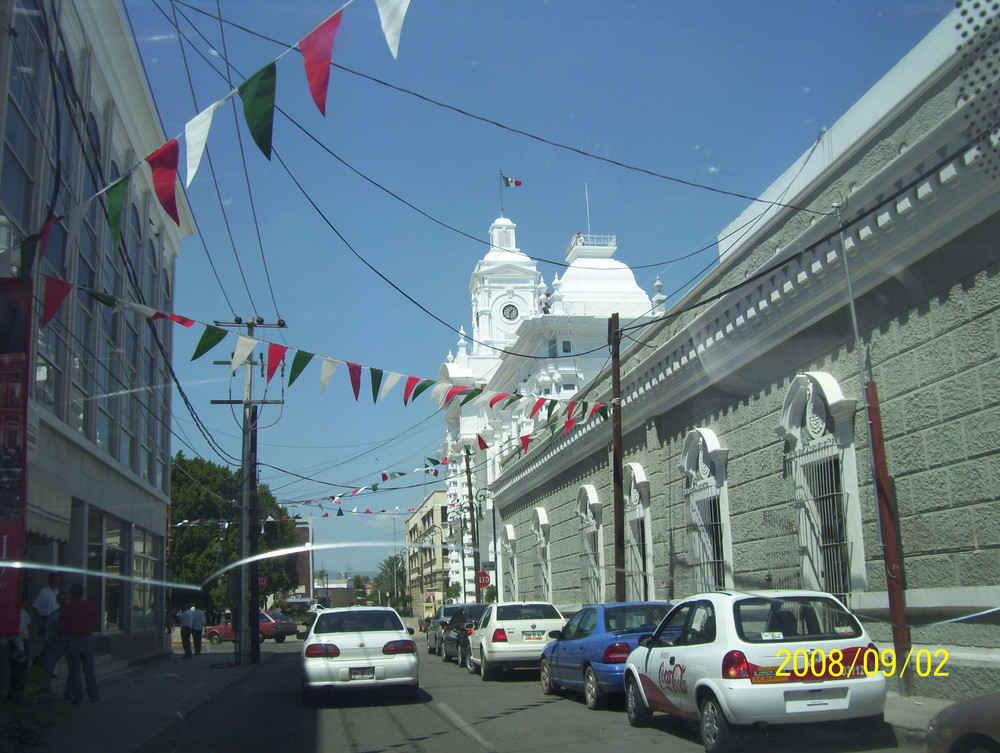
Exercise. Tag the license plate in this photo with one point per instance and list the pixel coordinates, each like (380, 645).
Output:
(533, 635)
(362, 673)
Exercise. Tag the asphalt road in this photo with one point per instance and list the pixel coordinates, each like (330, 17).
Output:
(456, 711)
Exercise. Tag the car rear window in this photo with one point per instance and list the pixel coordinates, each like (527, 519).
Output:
(796, 618)
(280, 616)
(357, 622)
(528, 612)
(635, 616)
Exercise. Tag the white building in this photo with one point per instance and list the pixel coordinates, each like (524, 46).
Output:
(527, 340)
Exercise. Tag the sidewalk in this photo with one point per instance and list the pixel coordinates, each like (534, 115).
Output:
(136, 707)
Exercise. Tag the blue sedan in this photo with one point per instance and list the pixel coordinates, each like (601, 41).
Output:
(589, 653)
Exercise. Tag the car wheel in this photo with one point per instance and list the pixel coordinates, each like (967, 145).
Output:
(214, 638)
(469, 664)
(592, 692)
(717, 734)
(545, 678)
(443, 650)
(636, 709)
(279, 639)
(263, 638)
(485, 668)
(430, 648)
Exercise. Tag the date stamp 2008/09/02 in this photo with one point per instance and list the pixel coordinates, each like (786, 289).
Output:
(836, 663)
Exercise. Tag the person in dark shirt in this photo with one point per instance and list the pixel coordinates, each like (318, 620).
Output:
(77, 620)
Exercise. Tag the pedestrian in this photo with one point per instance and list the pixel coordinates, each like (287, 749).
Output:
(58, 646)
(44, 604)
(197, 627)
(184, 618)
(77, 619)
(17, 651)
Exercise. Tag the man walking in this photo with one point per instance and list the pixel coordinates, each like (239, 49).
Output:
(77, 620)
(185, 617)
(197, 627)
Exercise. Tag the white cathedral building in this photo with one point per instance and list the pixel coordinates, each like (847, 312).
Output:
(529, 340)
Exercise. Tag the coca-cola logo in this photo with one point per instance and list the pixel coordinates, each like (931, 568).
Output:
(672, 678)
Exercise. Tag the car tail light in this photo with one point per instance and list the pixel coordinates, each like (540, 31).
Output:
(444, 624)
(499, 635)
(735, 665)
(616, 653)
(322, 651)
(399, 647)
(470, 631)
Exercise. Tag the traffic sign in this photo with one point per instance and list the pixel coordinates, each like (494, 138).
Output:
(261, 582)
(482, 579)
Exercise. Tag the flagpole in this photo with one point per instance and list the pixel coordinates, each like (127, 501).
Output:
(501, 191)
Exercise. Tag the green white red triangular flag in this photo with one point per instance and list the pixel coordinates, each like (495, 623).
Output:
(275, 355)
(317, 52)
(329, 366)
(391, 14)
(257, 93)
(299, 362)
(242, 351)
(211, 337)
(196, 136)
(355, 371)
(163, 163)
(390, 382)
(55, 293)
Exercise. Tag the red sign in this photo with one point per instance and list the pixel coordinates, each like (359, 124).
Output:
(482, 579)
(261, 582)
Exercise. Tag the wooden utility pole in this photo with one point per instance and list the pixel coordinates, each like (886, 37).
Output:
(618, 475)
(246, 609)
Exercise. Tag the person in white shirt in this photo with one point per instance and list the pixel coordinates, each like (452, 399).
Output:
(185, 618)
(45, 603)
(197, 627)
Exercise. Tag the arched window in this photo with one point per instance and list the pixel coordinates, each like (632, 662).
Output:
(543, 562)
(706, 496)
(588, 508)
(638, 535)
(820, 465)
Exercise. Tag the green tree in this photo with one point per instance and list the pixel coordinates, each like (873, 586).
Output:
(206, 495)
(390, 581)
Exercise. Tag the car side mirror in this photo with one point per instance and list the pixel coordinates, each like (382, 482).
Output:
(646, 641)
(301, 634)
(556, 634)
(411, 631)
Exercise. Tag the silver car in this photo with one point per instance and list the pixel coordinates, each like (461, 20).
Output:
(358, 647)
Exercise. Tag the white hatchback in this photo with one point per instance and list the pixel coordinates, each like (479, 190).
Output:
(511, 635)
(730, 660)
(358, 647)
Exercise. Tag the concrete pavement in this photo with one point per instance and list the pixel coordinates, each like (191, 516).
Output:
(138, 705)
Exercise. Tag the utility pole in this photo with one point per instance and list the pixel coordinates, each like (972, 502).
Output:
(475, 534)
(618, 474)
(246, 621)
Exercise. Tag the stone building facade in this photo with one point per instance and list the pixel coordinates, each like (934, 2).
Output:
(746, 445)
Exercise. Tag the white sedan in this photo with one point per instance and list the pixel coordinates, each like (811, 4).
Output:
(730, 660)
(511, 635)
(358, 647)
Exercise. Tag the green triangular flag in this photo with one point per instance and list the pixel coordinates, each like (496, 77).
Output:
(257, 93)
(472, 395)
(420, 388)
(376, 382)
(550, 406)
(603, 410)
(107, 300)
(511, 400)
(301, 360)
(116, 202)
(212, 337)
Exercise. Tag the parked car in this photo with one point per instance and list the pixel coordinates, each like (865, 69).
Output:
(730, 660)
(589, 653)
(511, 635)
(348, 648)
(274, 625)
(970, 726)
(455, 637)
(438, 622)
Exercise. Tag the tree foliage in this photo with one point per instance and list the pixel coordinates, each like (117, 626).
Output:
(209, 494)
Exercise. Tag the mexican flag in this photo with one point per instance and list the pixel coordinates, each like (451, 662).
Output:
(509, 182)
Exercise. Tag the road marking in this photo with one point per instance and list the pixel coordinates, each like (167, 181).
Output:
(463, 726)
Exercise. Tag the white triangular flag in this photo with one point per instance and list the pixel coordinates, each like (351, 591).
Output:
(244, 347)
(329, 366)
(391, 13)
(196, 135)
(390, 381)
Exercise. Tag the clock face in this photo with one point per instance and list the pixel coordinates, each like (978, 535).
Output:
(509, 312)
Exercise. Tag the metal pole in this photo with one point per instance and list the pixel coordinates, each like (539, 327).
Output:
(618, 475)
(475, 535)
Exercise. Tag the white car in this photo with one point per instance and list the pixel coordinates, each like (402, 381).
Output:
(358, 647)
(730, 660)
(511, 635)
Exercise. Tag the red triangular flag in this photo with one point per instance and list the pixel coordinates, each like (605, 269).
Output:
(55, 293)
(482, 442)
(524, 441)
(45, 232)
(570, 408)
(355, 370)
(538, 404)
(454, 391)
(497, 398)
(326, 515)
(317, 51)
(597, 407)
(411, 382)
(183, 320)
(164, 165)
(275, 353)
(569, 426)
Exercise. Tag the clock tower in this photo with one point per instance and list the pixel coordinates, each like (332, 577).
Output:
(504, 290)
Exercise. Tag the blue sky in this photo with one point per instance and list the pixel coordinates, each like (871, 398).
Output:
(726, 94)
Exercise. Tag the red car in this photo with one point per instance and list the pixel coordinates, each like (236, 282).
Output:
(272, 625)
